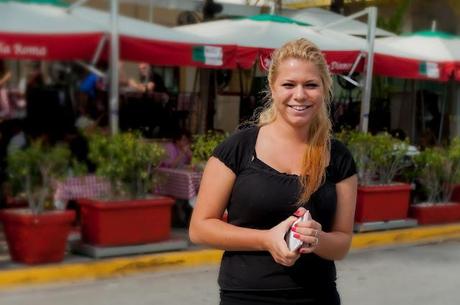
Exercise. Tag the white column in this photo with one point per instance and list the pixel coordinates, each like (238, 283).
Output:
(369, 66)
(114, 61)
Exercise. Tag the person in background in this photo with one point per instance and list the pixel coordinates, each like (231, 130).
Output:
(267, 176)
(84, 122)
(178, 152)
(5, 76)
(18, 138)
(149, 81)
(145, 83)
(89, 85)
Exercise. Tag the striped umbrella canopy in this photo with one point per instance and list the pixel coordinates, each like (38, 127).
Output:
(45, 32)
(260, 34)
(422, 55)
(160, 45)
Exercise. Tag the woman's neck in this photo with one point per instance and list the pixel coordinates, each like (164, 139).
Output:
(289, 132)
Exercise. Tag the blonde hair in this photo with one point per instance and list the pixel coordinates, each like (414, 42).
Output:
(316, 157)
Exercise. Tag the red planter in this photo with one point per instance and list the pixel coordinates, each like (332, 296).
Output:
(125, 222)
(382, 202)
(436, 213)
(35, 239)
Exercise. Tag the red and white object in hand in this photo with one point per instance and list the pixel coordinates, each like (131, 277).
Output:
(293, 243)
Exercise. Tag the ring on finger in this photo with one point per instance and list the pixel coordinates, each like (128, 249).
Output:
(315, 233)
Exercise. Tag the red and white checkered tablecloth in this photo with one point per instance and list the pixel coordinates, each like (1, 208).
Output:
(89, 186)
(178, 183)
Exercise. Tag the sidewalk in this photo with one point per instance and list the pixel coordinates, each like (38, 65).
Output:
(76, 267)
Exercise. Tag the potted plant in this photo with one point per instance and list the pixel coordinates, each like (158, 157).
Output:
(37, 234)
(128, 216)
(379, 158)
(203, 146)
(438, 170)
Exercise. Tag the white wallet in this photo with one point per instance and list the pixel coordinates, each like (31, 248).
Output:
(292, 242)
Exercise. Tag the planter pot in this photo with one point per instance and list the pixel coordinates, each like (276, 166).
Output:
(13, 202)
(35, 239)
(125, 222)
(382, 202)
(436, 213)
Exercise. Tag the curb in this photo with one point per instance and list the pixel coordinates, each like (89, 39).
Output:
(171, 260)
(417, 235)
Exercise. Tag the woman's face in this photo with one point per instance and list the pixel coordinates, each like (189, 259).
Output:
(297, 91)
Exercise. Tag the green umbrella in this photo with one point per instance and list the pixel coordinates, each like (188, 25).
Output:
(52, 2)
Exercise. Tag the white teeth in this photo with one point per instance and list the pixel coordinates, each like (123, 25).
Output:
(299, 107)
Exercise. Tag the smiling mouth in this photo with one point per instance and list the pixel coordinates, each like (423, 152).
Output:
(300, 107)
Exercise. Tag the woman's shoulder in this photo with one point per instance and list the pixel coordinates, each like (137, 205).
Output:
(243, 135)
(237, 149)
(342, 164)
(338, 148)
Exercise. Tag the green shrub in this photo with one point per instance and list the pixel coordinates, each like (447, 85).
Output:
(438, 169)
(204, 144)
(379, 158)
(34, 169)
(127, 161)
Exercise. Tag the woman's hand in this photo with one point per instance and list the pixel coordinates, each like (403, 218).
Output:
(309, 232)
(277, 246)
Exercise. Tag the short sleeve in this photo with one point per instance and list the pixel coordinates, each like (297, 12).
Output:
(236, 151)
(342, 162)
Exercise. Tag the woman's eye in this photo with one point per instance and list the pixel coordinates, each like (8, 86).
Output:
(312, 85)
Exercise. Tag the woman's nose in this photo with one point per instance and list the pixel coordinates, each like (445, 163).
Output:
(299, 92)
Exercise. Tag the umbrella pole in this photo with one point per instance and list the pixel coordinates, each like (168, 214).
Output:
(414, 109)
(114, 58)
(365, 103)
(443, 112)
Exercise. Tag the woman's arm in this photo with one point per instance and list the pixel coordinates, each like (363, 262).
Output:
(333, 245)
(206, 226)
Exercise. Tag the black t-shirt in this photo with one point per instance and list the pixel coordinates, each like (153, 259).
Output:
(261, 198)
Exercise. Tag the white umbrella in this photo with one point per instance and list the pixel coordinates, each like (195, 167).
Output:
(45, 32)
(421, 55)
(263, 33)
(156, 44)
(50, 32)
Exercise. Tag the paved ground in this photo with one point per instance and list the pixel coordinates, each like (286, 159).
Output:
(406, 275)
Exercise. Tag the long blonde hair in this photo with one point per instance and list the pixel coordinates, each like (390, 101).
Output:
(316, 157)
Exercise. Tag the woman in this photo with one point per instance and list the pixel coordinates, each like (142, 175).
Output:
(265, 174)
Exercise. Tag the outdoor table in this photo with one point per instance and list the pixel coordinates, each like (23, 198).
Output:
(89, 186)
(180, 183)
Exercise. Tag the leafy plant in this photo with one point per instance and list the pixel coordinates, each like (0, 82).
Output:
(379, 158)
(394, 22)
(34, 169)
(204, 144)
(438, 169)
(127, 161)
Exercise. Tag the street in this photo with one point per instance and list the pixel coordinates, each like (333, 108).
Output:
(411, 275)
